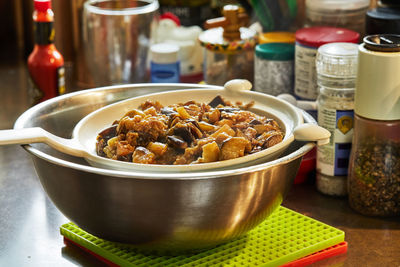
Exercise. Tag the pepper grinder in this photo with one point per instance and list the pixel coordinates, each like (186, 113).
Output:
(229, 47)
(374, 168)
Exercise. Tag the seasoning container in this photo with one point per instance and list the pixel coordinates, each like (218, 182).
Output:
(277, 37)
(274, 68)
(229, 47)
(383, 20)
(349, 14)
(374, 169)
(308, 40)
(336, 68)
(45, 63)
(164, 64)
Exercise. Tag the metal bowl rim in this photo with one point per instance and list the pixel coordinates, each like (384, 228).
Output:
(149, 175)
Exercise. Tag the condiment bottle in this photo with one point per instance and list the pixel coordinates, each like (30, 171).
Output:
(274, 68)
(308, 40)
(374, 169)
(164, 64)
(336, 68)
(45, 63)
(348, 14)
(383, 20)
(229, 47)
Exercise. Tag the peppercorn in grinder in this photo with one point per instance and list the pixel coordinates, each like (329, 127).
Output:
(374, 169)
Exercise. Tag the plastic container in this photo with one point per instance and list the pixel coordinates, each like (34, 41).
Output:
(229, 48)
(349, 14)
(164, 64)
(374, 169)
(308, 40)
(274, 68)
(336, 68)
(383, 20)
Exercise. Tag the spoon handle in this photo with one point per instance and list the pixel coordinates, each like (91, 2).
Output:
(38, 135)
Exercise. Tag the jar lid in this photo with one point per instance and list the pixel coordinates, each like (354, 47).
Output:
(317, 36)
(164, 53)
(275, 51)
(377, 93)
(383, 20)
(277, 37)
(213, 40)
(336, 5)
(337, 60)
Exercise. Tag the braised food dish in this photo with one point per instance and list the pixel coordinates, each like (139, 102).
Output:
(187, 133)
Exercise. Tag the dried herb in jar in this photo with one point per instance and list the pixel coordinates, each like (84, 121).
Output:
(374, 179)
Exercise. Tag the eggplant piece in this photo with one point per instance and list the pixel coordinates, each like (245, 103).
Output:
(216, 101)
(168, 111)
(228, 109)
(183, 131)
(254, 122)
(108, 133)
(176, 141)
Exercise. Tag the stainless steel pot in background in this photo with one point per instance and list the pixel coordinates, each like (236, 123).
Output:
(116, 37)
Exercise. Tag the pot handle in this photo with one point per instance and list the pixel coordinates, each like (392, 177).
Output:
(25, 136)
(312, 132)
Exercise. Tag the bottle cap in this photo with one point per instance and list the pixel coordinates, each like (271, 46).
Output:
(317, 36)
(383, 20)
(277, 37)
(42, 5)
(164, 53)
(275, 51)
(337, 60)
(377, 93)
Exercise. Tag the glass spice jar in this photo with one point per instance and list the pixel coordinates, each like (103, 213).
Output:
(336, 68)
(374, 168)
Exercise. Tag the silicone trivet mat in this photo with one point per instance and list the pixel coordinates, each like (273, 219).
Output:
(283, 237)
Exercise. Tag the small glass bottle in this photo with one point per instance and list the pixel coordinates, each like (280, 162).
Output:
(164, 64)
(45, 63)
(374, 169)
(336, 67)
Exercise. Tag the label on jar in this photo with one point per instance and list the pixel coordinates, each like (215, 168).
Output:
(305, 72)
(333, 158)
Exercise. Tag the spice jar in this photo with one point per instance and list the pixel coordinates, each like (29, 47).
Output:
(374, 169)
(349, 14)
(308, 40)
(274, 68)
(229, 47)
(336, 67)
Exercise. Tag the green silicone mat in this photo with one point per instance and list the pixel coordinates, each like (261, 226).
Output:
(283, 237)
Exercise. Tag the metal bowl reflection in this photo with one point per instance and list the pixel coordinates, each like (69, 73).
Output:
(156, 211)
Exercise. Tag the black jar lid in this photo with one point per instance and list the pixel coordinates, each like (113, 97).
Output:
(383, 20)
(383, 42)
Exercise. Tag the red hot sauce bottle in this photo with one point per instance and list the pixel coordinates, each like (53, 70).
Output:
(45, 63)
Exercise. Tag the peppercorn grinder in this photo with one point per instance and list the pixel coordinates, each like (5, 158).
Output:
(374, 168)
(229, 47)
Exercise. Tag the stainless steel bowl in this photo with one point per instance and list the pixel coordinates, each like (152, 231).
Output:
(156, 211)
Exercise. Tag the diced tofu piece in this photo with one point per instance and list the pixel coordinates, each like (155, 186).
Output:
(204, 126)
(233, 148)
(143, 155)
(183, 113)
(157, 148)
(224, 129)
(210, 153)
